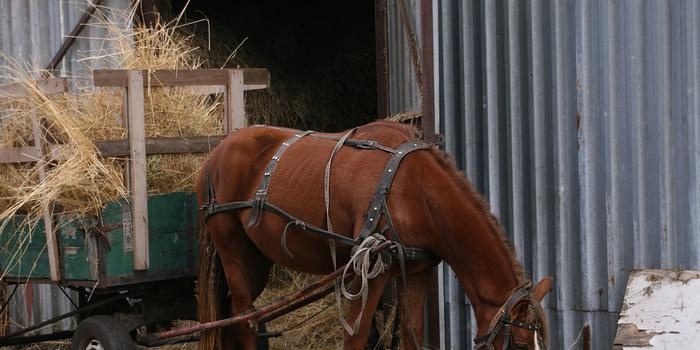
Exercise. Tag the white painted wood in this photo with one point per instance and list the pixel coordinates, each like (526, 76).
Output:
(661, 310)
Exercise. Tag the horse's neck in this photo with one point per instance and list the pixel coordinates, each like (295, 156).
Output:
(475, 250)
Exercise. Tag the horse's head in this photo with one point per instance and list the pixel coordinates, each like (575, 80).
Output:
(520, 323)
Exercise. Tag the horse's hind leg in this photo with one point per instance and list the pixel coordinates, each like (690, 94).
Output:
(246, 270)
(411, 304)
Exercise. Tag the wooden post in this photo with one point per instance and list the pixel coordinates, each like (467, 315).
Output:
(49, 227)
(235, 101)
(138, 168)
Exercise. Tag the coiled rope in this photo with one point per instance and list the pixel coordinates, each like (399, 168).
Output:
(366, 266)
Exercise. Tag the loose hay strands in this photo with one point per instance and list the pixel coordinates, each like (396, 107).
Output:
(321, 331)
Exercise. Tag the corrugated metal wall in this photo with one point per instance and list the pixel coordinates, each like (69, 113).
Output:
(578, 120)
(404, 93)
(31, 31)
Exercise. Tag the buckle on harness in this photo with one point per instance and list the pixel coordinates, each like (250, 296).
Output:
(260, 194)
(366, 144)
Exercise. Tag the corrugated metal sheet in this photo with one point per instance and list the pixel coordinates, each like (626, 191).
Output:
(33, 303)
(578, 120)
(404, 92)
(31, 31)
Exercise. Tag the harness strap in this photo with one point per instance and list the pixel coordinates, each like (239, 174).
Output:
(327, 192)
(502, 320)
(215, 208)
(261, 195)
(380, 194)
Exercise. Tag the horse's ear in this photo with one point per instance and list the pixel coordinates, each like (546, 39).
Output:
(542, 288)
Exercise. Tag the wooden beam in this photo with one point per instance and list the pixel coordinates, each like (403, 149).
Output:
(382, 59)
(49, 227)
(117, 148)
(427, 67)
(161, 145)
(22, 89)
(253, 78)
(28, 154)
(137, 160)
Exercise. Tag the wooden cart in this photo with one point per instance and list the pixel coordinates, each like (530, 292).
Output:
(135, 265)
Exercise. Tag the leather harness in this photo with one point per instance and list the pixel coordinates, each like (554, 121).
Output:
(377, 208)
(502, 322)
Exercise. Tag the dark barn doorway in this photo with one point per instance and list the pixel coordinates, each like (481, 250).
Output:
(321, 56)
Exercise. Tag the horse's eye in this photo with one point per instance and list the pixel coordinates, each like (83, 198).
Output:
(520, 346)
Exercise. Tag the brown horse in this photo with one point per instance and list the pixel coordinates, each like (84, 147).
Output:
(432, 207)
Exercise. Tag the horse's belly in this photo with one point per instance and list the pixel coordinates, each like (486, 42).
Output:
(297, 249)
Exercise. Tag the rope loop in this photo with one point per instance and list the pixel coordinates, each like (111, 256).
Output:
(367, 266)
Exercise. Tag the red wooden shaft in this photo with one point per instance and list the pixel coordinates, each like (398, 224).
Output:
(277, 304)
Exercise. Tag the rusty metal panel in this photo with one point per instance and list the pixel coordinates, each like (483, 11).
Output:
(578, 120)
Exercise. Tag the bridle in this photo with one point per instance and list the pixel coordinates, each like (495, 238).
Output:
(501, 322)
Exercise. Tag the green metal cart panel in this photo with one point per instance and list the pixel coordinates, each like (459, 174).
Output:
(100, 251)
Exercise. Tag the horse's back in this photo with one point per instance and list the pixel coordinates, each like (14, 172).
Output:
(297, 186)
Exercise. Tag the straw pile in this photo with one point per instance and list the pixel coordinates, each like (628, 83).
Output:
(81, 182)
(312, 327)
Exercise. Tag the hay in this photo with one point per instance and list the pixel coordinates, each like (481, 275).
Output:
(321, 331)
(329, 94)
(81, 182)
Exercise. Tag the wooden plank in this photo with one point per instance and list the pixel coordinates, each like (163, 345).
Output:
(253, 78)
(47, 86)
(49, 227)
(161, 145)
(235, 102)
(137, 160)
(28, 154)
(118, 148)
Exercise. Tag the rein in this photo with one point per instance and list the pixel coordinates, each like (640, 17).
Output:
(501, 322)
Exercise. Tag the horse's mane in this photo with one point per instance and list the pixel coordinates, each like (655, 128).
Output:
(461, 179)
(483, 205)
(410, 132)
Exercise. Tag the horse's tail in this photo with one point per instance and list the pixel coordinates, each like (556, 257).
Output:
(211, 290)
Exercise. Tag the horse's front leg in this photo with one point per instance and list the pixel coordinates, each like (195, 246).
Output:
(411, 304)
(376, 285)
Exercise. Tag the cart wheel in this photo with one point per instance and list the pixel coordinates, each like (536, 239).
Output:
(101, 333)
